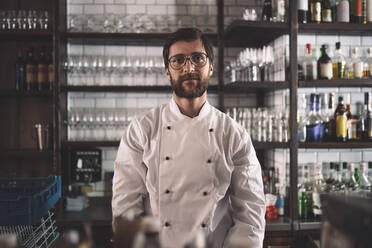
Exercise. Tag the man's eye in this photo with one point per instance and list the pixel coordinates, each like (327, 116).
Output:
(197, 58)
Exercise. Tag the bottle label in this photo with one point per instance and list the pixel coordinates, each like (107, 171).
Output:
(313, 132)
(341, 126)
(42, 73)
(31, 74)
(327, 15)
(358, 69)
(326, 70)
(311, 71)
(316, 12)
(303, 5)
(317, 204)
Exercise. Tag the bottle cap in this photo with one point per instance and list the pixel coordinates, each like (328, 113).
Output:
(338, 45)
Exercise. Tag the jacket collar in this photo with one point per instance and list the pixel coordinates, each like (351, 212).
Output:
(174, 109)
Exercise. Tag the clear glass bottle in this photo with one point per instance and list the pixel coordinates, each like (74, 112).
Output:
(279, 10)
(318, 188)
(338, 63)
(313, 123)
(310, 64)
(368, 62)
(363, 175)
(352, 182)
(357, 64)
(301, 119)
(319, 116)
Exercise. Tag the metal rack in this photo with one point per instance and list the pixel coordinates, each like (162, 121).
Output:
(30, 236)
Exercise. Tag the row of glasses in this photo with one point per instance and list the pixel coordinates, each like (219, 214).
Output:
(252, 65)
(114, 70)
(24, 19)
(262, 124)
(93, 124)
(137, 23)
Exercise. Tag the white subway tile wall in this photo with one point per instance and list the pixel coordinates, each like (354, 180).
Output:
(186, 11)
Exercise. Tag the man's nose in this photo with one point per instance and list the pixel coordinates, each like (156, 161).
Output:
(188, 67)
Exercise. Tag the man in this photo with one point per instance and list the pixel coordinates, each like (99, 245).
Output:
(194, 165)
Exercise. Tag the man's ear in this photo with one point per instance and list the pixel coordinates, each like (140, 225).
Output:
(211, 67)
(167, 73)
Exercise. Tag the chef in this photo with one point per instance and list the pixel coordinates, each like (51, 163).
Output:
(192, 165)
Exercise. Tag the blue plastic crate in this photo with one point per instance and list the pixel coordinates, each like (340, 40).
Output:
(23, 201)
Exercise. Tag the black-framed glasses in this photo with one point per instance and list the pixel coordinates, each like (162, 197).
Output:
(179, 60)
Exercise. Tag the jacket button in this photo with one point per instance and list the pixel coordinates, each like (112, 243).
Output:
(211, 130)
(203, 225)
(167, 191)
(169, 127)
(209, 161)
(205, 193)
(167, 224)
(167, 158)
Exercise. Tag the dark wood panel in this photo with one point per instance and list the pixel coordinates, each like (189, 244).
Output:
(336, 28)
(33, 111)
(250, 33)
(8, 124)
(16, 167)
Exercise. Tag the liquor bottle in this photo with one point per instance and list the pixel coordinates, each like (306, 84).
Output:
(310, 64)
(313, 123)
(343, 13)
(352, 10)
(369, 11)
(369, 59)
(352, 183)
(319, 116)
(352, 122)
(267, 11)
(358, 17)
(279, 11)
(316, 10)
(20, 71)
(318, 188)
(364, 11)
(341, 121)
(50, 70)
(370, 171)
(363, 176)
(365, 60)
(325, 64)
(330, 123)
(303, 9)
(326, 11)
(338, 63)
(31, 71)
(301, 119)
(357, 63)
(345, 173)
(42, 71)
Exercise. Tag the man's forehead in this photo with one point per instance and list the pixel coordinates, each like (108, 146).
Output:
(186, 47)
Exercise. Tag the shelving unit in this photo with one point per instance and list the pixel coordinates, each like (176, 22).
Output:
(238, 34)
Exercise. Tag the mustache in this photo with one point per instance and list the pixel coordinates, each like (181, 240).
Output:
(191, 76)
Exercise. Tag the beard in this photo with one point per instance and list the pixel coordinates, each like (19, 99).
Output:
(198, 89)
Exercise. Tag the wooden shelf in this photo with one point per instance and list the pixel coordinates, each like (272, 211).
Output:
(254, 86)
(14, 93)
(336, 83)
(336, 145)
(270, 145)
(25, 153)
(336, 28)
(18, 35)
(79, 144)
(116, 89)
(122, 38)
(251, 33)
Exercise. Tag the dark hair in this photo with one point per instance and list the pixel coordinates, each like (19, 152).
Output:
(187, 34)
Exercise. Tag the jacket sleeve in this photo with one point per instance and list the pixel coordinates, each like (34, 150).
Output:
(128, 190)
(247, 197)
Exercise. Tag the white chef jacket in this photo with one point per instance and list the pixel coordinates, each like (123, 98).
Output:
(196, 174)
